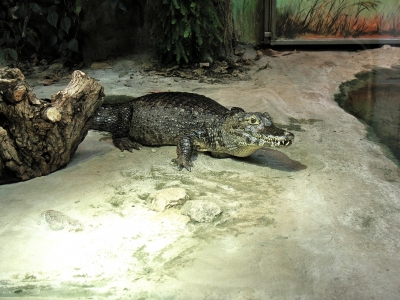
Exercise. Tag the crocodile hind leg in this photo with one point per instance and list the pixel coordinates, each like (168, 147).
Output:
(184, 151)
(124, 143)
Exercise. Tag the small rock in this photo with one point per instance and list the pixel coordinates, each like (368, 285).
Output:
(56, 220)
(167, 198)
(201, 211)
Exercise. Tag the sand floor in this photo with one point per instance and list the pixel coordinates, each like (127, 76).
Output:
(317, 220)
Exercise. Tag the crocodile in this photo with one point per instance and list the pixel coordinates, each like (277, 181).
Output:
(190, 121)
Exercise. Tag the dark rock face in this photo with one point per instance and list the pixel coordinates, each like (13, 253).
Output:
(109, 32)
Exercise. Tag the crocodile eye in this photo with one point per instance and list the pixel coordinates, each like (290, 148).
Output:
(253, 120)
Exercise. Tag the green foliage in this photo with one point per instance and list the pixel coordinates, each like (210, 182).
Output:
(120, 3)
(29, 28)
(188, 31)
(7, 54)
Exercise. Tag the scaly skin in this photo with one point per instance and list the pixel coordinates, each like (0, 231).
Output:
(192, 122)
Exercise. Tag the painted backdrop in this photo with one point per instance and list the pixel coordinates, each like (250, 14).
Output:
(307, 19)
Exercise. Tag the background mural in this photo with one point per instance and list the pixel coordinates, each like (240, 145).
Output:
(307, 19)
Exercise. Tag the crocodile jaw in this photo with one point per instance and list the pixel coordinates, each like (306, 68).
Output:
(252, 131)
(250, 143)
(284, 140)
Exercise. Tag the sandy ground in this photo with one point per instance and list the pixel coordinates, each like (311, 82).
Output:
(317, 220)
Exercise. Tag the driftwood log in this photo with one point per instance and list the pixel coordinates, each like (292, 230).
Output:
(40, 136)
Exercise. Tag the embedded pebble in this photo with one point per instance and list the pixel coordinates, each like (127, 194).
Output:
(56, 220)
(164, 199)
(201, 211)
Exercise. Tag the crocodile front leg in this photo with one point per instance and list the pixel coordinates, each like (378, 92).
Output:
(184, 151)
(196, 140)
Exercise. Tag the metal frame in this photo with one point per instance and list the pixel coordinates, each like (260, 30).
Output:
(270, 37)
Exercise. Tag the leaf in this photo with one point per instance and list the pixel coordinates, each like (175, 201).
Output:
(19, 10)
(122, 6)
(176, 4)
(65, 24)
(173, 21)
(38, 43)
(33, 39)
(53, 40)
(73, 45)
(52, 18)
(193, 8)
(178, 56)
(63, 47)
(61, 34)
(78, 6)
(183, 52)
(199, 40)
(4, 37)
(113, 3)
(183, 10)
(187, 32)
(2, 58)
(12, 53)
(36, 8)
(51, 9)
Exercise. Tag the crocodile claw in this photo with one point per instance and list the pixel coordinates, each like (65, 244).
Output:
(181, 163)
(126, 144)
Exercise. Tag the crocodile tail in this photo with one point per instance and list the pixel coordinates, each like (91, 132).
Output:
(113, 118)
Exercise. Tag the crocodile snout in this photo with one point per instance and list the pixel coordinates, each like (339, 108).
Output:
(289, 139)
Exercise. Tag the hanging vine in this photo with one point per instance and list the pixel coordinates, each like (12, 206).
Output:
(188, 31)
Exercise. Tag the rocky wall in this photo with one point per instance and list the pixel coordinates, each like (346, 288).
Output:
(109, 32)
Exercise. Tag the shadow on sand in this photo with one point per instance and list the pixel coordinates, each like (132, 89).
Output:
(274, 159)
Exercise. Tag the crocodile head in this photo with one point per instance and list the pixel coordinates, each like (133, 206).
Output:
(250, 131)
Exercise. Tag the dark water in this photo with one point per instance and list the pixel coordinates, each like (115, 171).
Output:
(374, 97)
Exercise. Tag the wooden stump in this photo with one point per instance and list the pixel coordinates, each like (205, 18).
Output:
(38, 136)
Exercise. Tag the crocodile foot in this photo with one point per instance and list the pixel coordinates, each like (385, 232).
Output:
(182, 163)
(126, 144)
